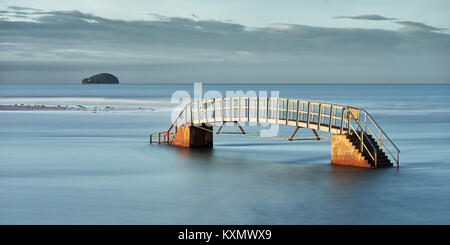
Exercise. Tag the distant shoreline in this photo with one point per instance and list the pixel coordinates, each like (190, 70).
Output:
(23, 107)
(34, 108)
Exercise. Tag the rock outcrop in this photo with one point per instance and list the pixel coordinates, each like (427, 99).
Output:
(102, 78)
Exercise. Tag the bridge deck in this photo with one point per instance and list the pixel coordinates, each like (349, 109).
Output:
(302, 124)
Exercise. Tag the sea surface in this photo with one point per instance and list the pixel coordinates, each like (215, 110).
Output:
(97, 166)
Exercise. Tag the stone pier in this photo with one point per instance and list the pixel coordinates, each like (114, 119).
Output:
(343, 152)
(194, 136)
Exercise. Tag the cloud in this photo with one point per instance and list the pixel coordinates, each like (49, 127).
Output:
(417, 26)
(22, 8)
(158, 16)
(244, 53)
(365, 17)
(186, 49)
(407, 25)
(9, 44)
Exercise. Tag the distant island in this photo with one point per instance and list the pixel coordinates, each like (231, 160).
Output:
(102, 78)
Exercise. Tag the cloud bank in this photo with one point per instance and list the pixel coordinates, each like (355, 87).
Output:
(365, 17)
(65, 46)
(417, 26)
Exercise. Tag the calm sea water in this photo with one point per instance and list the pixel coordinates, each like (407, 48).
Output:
(70, 167)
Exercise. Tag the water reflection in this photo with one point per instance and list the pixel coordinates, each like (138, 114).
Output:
(199, 154)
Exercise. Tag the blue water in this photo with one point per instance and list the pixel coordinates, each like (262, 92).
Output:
(75, 167)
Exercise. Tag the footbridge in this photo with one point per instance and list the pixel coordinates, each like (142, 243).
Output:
(356, 139)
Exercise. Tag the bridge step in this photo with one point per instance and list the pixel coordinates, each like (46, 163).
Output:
(382, 158)
(345, 150)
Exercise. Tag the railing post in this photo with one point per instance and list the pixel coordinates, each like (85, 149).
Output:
(287, 111)
(214, 110)
(232, 109)
(223, 110)
(379, 137)
(192, 115)
(342, 120)
(376, 159)
(397, 157)
(248, 109)
(159, 138)
(239, 108)
(257, 109)
(334, 116)
(151, 139)
(320, 116)
(185, 114)
(198, 111)
(307, 115)
(365, 122)
(331, 118)
(362, 141)
(348, 121)
(206, 110)
(303, 110)
(298, 102)
(277, 110)
(267, 110)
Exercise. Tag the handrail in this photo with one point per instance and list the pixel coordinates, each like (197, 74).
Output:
(176, 121)
(164, 134)
(362, 138)
(382, 133)
(368, 151)
(379, 128)
(181, 113)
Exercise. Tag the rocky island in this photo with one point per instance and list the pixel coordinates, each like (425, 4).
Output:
(102, 78)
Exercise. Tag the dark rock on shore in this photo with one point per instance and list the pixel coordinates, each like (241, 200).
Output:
(102, 78)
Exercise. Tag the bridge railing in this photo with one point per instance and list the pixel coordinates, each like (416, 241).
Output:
(180, 120)
(320, 115)
(384, 142)
(162, 137)
(269, 110)
(362, 136)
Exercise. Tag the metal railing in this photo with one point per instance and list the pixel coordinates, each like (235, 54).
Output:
(361, 135)
(325, 116)
(383, 140)
(163, 137)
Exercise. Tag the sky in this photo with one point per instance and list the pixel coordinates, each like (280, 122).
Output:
(328, 41)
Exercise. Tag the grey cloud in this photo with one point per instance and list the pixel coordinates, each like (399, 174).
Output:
(68, 28)
(9, 12)
(365, 17)
(158, 16)
(18, 12)
(417, 26)
(22, 8)
(185, 48)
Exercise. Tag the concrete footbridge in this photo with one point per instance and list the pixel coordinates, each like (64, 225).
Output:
(356, 139)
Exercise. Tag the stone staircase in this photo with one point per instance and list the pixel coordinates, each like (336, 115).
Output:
(382, 159)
